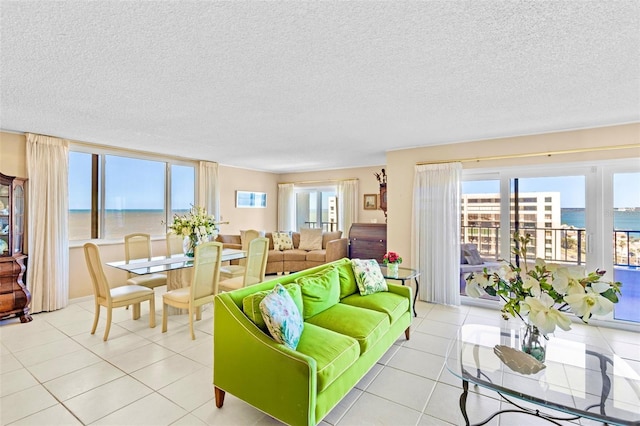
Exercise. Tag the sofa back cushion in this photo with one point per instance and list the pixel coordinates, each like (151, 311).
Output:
(251, 304)
(330, 236)
(348, 285)
(310, 239)
(320, 291)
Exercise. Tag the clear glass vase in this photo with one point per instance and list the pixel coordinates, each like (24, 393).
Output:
(189, 245)
(392, 269)
(533, 342)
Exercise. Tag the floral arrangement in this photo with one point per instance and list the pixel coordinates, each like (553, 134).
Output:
(545, 292)
(197, 225)
(391, 257)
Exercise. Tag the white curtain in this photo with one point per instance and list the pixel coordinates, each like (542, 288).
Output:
(48, 264)
(286, 207)
(209, 188)
(347, 205)
(436, 231)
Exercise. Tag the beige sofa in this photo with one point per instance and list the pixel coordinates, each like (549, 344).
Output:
(333, 248)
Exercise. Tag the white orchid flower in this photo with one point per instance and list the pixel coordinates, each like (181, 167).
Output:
(473, 289)
(543, 315)
(589, 303)
(528, 282)
(506, 273)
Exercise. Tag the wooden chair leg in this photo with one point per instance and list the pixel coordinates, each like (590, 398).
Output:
(152, 312)
(219, 394)
(198, 313)
(96, 316)
(108, 327)
(193, 335)
(136, 311)
(406, 333)
(164, 317)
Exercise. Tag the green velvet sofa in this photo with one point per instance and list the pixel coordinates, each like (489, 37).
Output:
(338, 346)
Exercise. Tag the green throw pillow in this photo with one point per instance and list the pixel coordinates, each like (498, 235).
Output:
(251, 304)
(348, 284)
(282, 317)
(319, 291)
(368, 276)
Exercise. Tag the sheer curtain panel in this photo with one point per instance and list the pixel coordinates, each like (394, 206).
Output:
(209, 188)
(347, 205)
(48, 270)
(286, 207)
(436, 231)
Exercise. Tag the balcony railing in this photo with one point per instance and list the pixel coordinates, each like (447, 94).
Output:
(561, 245)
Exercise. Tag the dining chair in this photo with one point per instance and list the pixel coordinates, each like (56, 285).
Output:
(174, 244)
(138, 246)
(115, 297)
(232, 271)
(256, 265)
(203, 288)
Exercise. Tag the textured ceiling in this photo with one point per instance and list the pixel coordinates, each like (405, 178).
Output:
(297, 86)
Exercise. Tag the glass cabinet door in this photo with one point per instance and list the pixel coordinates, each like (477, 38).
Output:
(18, 217)
(5, 222)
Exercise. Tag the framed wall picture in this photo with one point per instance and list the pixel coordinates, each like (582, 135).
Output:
(251, 200)
(371, 201)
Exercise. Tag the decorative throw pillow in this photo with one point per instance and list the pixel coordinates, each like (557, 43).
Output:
(282, 241)
(251, 304)
(282, 317)
(471, 255)
(320, 291)
(368, 276)
(310, 239)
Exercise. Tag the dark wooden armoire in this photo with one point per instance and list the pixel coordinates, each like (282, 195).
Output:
(368, 241)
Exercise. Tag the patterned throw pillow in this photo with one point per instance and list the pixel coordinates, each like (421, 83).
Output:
(310, 239)
(282, 241)
(251, 304)
(368, 276)
(282, 317)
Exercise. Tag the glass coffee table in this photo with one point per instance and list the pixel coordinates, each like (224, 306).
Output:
(575, 378)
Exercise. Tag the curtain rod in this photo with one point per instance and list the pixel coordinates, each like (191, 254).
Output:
(533, 154)
(304, 182)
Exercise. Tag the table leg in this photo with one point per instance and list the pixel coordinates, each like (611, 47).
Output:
(415, 297)
(463, 401)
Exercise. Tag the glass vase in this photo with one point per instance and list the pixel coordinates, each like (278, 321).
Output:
(392, 269)
(189, 245)
(533, 342)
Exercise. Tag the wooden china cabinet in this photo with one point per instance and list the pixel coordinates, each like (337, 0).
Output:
(14, 296)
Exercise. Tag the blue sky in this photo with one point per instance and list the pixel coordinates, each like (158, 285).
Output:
(571, 189)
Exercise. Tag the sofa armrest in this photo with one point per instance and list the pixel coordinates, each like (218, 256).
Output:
(337, 249)
(250, 365)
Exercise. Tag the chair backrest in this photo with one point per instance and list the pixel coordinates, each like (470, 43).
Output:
(137, 246)
(99, 281)
(256, 264)
(246, 237)
(206, 270)
(174, 243)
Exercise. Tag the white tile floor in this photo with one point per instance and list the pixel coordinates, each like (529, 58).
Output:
(53, 371)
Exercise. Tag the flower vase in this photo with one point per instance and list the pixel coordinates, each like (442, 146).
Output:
(392, 269)
(533, 342)
(189, 245)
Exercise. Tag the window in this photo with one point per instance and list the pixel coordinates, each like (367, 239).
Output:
(111, 195)
(317, 208)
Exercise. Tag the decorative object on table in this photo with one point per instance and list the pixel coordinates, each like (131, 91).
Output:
(544, 294)
(196, 227)
(382, 180)
(392, 260)
(371, 201)
(517, 360)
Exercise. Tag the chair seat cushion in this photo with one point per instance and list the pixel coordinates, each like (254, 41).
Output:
(334, 353)
(178, 295)
(391, 304)
(128, 291)
(150, 280)
(231, 284)
(364, 325)
(231, 271)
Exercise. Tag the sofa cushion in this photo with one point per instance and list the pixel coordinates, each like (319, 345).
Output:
(275, 256)
(295, 255)
(330, 236)
(282, 317)
(391, 304)
(251, 304)
(316, 255)
(310, 239)
(334, 353)
(365, 325)
(368, 276)
(319, 291)
(348, 285)
(282, 241)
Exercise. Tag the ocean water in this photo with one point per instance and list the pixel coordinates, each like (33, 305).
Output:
(627, 220)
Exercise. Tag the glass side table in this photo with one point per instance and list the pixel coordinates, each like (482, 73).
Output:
(404, 274)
